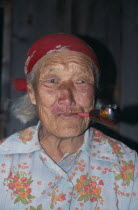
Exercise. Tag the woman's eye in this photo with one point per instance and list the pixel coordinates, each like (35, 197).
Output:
(81, 82)
(52, 81)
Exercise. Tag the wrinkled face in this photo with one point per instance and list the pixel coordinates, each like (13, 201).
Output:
(64, 84)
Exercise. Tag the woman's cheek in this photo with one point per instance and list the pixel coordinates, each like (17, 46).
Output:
(46, 98)
(86, 97)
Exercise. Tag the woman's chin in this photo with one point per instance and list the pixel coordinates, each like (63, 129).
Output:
(66, 128)
(69, 132)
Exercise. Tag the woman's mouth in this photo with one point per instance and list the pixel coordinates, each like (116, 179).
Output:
(68, 115)
(77, 114)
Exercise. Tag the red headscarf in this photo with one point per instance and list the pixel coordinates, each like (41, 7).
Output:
(53, 42)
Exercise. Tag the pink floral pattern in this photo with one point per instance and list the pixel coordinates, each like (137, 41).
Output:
(26, 135)
(126, 173)
(116, 148)
(19, 183)
(56, 195)
(89, 188)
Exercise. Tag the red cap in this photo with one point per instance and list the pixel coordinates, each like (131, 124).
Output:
(55, 42)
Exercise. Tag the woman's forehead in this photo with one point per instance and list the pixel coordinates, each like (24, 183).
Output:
(66, 69)
(65, 59)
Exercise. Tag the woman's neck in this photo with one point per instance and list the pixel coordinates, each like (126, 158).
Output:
(56, 147)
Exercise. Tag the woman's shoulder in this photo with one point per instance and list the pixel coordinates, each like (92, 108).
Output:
(20, 135)
(110, 149)
(19, 141)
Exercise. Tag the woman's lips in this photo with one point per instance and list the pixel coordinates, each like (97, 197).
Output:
(78, 114)
(67, 115)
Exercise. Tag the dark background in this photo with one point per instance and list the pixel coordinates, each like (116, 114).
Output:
(109, 26)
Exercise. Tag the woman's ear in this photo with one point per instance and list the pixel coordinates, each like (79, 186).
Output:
(31, 93)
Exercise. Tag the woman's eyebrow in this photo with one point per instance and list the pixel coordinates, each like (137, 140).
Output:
(86, 74)
(47, 70)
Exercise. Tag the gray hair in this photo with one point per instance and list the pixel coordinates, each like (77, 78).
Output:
(24, 110)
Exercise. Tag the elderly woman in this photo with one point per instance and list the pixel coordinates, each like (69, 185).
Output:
(62, 163)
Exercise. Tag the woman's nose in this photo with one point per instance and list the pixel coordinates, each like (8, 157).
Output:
(66, 95)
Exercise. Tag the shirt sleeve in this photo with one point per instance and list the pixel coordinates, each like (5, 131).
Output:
(134, 196)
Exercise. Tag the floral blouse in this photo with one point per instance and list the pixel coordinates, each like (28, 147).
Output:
(101, 175)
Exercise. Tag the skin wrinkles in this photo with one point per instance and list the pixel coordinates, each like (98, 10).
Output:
(63, 85)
